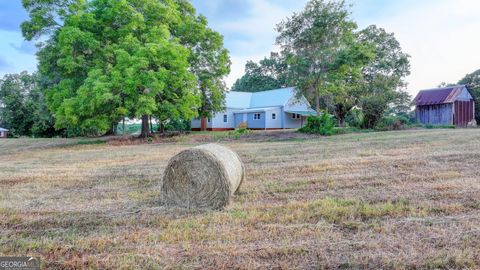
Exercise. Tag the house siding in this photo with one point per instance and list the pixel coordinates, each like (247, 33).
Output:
(289, 122)
(256, 124)
(297, 104)
(240, 118)
(276, 123)
(217, 120)
(196, 123)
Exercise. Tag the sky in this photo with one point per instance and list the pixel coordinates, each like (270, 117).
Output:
(441, 36)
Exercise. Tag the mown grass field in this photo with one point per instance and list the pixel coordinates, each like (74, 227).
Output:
(390, 200)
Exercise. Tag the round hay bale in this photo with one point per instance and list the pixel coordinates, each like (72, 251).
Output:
(205, 176)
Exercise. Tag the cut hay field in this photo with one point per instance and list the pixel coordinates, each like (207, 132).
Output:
(390, 200)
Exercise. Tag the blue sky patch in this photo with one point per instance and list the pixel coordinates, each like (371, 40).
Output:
(12, 15)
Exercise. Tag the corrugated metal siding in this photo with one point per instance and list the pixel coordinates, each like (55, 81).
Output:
(464, 113)
(435, 114)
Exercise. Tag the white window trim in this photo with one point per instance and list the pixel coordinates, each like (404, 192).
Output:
(255, 116)
(274, 116)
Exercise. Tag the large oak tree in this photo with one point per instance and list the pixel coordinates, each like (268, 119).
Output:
(313, 40)
(107, 60)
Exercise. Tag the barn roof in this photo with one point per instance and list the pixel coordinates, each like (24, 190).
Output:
(270, 98)
(439, 95)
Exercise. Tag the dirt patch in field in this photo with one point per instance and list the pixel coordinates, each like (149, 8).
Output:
(209, 137)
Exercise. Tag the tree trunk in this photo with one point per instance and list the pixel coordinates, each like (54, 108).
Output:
(111, 132)
(123, 126)
(317, 102)
(145, 127)
(151, 125)
(203, 125)
(161, 127)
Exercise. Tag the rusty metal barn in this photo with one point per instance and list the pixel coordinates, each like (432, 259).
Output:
(445, 106)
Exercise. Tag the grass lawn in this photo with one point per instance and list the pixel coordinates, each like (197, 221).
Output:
(391, 200)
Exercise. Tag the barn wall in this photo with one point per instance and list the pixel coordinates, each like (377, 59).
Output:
(435, 114)
(464, 112)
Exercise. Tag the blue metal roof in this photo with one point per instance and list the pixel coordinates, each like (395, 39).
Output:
(255, 110)
(2, 129)
(271, 98)
(304, 113)
(238, 100)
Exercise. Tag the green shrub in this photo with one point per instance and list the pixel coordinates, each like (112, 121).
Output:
(392, 122)
(178, 125)
(355, 118)
(323, 125)
(242, 131)
(235, 134)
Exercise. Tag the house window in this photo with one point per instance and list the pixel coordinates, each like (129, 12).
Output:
(225, 118)
(257, 116)
(209, 120)
(296, 116)
(274, 116)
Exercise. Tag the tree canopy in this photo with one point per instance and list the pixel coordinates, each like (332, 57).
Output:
(334, 65)
(23, 109)
(107, 60)
(314, 42)
(270, 73)
(472, 81)
(383, 76)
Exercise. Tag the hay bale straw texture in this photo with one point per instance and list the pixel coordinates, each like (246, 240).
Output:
(205, 176)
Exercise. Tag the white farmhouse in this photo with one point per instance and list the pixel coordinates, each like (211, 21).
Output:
(273, 109)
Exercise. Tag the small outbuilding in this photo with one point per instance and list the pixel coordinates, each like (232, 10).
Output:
(3, 133)
(445, 106)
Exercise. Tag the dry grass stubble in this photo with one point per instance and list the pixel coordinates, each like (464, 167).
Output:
(393, 200)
